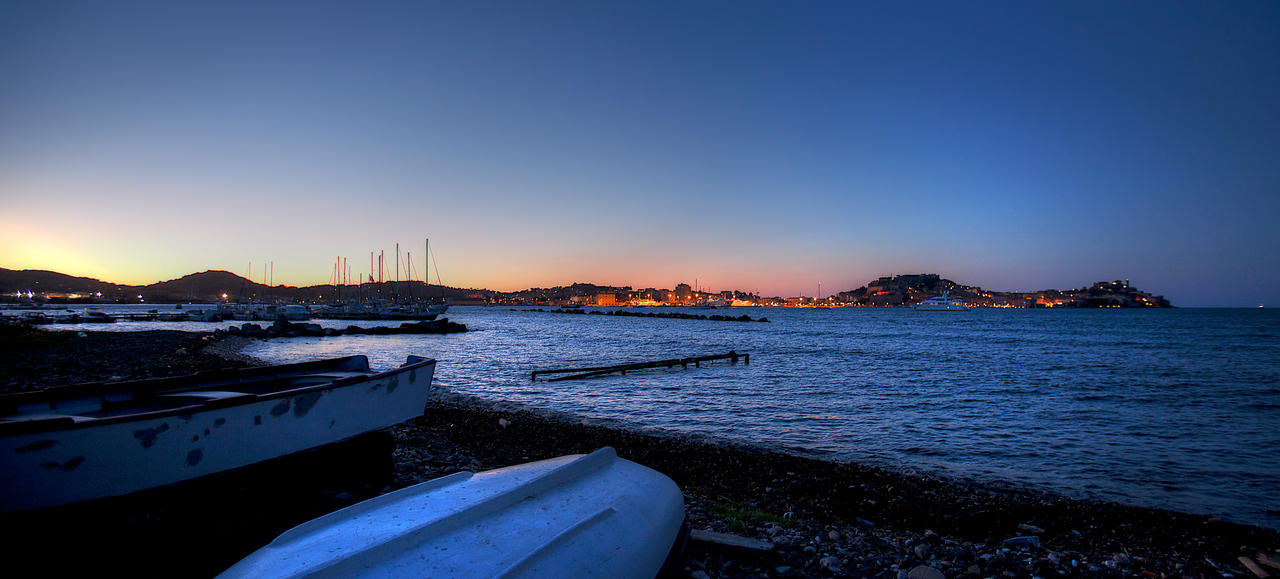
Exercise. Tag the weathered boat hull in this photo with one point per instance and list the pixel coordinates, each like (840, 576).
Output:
(575, 516)
(68, 457)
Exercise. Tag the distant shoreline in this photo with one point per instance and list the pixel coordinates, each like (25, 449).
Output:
(217, 285)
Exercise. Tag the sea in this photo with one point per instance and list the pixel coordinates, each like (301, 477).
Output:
(1173, 408)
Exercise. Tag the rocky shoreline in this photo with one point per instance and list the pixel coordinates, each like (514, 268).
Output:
(809, 517)
(826, 518)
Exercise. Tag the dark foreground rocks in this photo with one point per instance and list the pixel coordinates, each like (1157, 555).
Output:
(831, 519)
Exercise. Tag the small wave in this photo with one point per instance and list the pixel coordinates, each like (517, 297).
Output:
(923, 451)
(1096, 397)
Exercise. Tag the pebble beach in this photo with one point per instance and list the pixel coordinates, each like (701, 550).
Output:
(798, 515)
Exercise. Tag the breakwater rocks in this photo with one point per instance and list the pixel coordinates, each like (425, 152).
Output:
(672, 315)
(286, 329)
(32, 359)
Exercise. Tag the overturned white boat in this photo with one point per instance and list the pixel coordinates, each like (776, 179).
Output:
(87, 441)
(593, 515)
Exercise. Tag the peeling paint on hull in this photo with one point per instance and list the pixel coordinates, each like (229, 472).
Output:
(92, 461)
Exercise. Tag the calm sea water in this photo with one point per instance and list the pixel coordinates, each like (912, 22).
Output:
(1176, 409)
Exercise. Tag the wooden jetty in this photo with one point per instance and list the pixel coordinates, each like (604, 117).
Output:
(576, 373)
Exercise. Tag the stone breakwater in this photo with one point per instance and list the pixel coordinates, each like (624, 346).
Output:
(670, 315)
(32, 359)
(286, 329)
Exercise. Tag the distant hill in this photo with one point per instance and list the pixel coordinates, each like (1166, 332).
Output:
(906, 290)
(204, 285)
(210, 286)
(41, 281)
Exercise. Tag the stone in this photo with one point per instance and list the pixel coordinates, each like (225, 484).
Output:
(699, 575)
(1030, 542)
(830, 563)
(925, 572)
(921, 551)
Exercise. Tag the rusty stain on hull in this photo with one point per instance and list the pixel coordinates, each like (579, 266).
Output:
(194, 457)
(279, 409)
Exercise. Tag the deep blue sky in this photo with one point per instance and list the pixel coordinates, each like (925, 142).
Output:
(757, 146)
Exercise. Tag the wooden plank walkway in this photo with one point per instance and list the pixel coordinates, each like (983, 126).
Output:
(576, 373)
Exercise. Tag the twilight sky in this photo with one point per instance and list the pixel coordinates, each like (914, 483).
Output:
(750, 145)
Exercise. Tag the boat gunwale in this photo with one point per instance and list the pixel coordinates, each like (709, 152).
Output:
(68, 422)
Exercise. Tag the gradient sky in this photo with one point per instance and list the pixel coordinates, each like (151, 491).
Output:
(749, 145)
